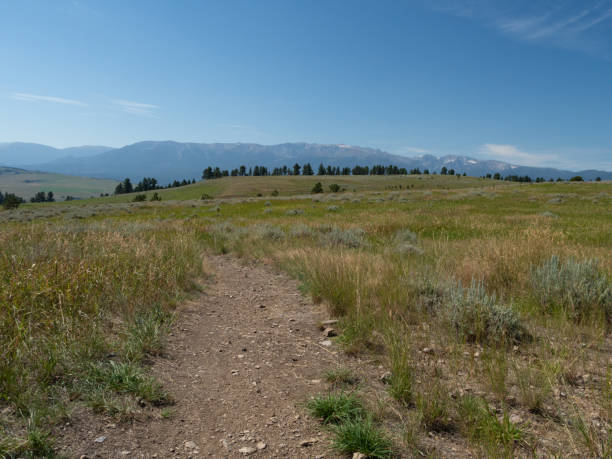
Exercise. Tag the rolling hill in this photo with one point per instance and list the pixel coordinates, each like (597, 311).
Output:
(26, 184)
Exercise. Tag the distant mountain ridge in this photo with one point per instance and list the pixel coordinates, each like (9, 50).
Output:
(22, 153)
(169, 160)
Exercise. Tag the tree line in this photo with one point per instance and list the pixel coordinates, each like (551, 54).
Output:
(377, 169)
(147, 184)
(306, 169)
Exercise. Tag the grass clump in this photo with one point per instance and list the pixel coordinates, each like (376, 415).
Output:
(434, 405)
(336, 408)
(147, 333)
(477, 317)
(341, 377)
(401, 381)
(579, 288)
(362, 436)
(128, 378)
(498, 437)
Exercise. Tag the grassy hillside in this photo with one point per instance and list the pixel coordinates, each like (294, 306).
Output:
(27, 183)
(242, 187)
(489, 303)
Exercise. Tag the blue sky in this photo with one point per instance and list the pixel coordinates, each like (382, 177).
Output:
(529, 82)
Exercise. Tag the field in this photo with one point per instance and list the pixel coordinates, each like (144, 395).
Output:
(27, 183)
(487, 304)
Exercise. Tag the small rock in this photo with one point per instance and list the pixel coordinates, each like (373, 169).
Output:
(427, 350)
(100, 439)
(261, 445)
(385, 378)
(327, 323)
(309, 442)
(84, 456)
(125, 453)
(247, 450)
(515, 419)
(359, 456)
(190, 445)
(329, 332)
(326, 343)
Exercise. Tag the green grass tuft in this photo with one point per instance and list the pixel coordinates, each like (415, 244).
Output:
(336, 408)
(362, 436)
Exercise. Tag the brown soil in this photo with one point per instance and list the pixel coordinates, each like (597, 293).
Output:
(242, 360)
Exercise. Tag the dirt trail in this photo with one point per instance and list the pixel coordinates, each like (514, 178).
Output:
(242, 359)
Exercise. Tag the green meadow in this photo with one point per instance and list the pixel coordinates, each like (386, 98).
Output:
(488, 302)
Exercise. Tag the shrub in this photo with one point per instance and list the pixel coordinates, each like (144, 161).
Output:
(334, 187)
(478, 317)
(301, 231)
(156, 197)
(580, 288)
(317, 188)
(205, 197)
(352, 238)
(270, 232)
(274, 193)
(405, 235)
(140, 198)
(11, 201)
(294, 212)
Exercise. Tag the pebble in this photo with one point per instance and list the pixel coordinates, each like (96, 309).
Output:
(190, 445)
(329, 332)
(326, 343)
(327, 323)
(309, 442)
(359, 456)
(100, 439)
(261, 445)
(247, 450)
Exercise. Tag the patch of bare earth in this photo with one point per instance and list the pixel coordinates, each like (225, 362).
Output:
(242, 359)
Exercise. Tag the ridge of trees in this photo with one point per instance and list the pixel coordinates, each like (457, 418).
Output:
(41, 196)
(211, 172)
(148, 184)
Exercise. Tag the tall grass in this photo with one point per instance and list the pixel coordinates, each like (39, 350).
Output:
(72, 295)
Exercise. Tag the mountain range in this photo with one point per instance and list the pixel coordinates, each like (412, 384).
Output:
(168, 160)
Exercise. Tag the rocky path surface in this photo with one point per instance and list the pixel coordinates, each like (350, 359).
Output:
(243, 358)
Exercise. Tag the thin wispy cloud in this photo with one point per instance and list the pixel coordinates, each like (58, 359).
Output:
(136, 108)
(512, 154)
(585, 25)
(38, 98)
